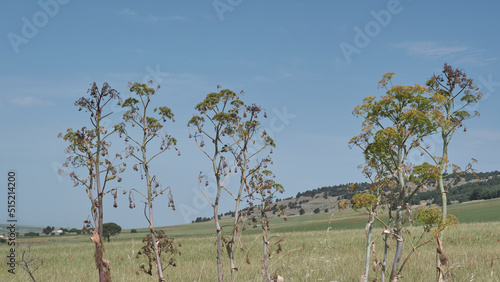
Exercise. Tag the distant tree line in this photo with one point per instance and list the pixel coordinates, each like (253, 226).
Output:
(294, 205)
(474, 190)
(343, 191)
(202, 219)
(31, 234)
(479, 186)
(473, 176)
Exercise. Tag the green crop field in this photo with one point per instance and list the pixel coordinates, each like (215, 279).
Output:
(317, 247)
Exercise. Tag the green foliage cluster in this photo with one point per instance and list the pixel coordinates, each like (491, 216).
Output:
(364, 200)
(394, 125)
(110, 229)
(431, 218)
(428, 216)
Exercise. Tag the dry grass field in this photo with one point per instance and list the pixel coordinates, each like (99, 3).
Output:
(329, 254)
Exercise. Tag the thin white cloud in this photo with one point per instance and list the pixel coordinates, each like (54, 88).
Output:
(430, 48)
(246, 63)
(149, 17)
(339, 62)
(176, 18)
(261, 78)
(475, 59)
(30, 101)
(459, 54)
(127, 12)
(152, 18)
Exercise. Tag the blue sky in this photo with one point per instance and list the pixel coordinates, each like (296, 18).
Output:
(307, 63)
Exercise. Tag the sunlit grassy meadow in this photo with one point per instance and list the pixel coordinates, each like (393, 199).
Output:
(321, 247)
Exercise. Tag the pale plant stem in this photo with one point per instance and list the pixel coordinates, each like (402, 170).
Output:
(237, 215)
(384, 261)
(444, 210)
(215, 208)
(159, 268)
(151, 224)
(368, 243)
(445, 135)
(219, 245)
(265, 246)
(99, 220)
(399, 214)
